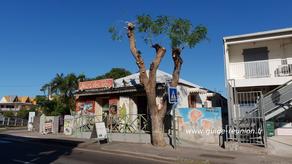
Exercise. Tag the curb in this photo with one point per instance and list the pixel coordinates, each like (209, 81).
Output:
(280, 142)
(170, 159)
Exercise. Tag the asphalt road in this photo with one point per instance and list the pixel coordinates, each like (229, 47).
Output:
(28, 150)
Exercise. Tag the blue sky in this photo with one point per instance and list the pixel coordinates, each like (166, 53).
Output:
(41, 38)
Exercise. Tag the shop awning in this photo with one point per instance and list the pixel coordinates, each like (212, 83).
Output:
(197, 91)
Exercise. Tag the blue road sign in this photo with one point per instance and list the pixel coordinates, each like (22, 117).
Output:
(172, 95)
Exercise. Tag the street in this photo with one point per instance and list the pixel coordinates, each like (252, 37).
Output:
(30, 150)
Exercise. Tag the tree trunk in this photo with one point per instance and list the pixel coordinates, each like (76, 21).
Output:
(157, 119)
(157, 123)
(149, 83)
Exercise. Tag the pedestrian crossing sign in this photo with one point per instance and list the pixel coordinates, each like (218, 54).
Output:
(172, 95)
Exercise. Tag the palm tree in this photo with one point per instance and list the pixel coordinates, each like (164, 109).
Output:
(62, 88)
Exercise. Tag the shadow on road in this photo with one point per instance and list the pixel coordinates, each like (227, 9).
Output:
(14, 149)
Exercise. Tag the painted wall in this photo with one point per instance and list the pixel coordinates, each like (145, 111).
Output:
(85, 107)
(183, 93)
(127, 106)
(202, 125)
(98, 110)
(49, 124)
(124, 105)
(278, 49)
(68, 124)
(94, 84)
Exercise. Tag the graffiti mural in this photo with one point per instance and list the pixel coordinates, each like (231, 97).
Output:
(199, 124)
(68, 124)
(85, 107)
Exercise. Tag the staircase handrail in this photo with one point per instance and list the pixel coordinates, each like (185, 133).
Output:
(277, 88)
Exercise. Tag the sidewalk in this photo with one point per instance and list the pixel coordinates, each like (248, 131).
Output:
(282, 144)
(191, 154)
(194, 155)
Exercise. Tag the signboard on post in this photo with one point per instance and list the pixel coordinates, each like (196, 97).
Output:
(30, 121)
(101, 131)
(172, 95)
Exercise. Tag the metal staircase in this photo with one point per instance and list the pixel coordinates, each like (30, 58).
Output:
(278, 100)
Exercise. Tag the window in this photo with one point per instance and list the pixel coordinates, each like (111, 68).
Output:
(256, 62)
(193, 99)
(9, 106)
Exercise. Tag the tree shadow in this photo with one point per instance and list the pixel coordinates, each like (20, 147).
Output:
(14, 149)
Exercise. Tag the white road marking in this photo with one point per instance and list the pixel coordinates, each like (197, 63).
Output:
(20, 161)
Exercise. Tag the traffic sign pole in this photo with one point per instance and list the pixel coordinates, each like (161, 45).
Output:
(174, 126)
(173, 99)
(172, 95)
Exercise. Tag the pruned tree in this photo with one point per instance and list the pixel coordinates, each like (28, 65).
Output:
(180, 33)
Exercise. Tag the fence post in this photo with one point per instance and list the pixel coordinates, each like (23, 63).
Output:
(3, 123)
(238, 136)
(264, 122)
(8, 121)
(111, 128)
(15, 121)
(21, 122)
(140, 124)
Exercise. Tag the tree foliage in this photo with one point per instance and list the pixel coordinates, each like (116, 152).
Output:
(178, 31)
(62, 89)
(115, 73)
(23, 113)
(8, 114)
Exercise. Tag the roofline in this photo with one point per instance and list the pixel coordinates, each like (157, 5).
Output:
(15, 103)
(108, 91)
(257, 34)
(181, 80)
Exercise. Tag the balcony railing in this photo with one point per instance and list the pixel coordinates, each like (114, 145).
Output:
(261, 69)
(9, 109)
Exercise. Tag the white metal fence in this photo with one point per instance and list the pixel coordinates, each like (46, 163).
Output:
(12, 122)
(246, 102)
(131, 123)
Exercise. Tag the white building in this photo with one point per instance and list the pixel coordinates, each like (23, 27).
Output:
(16, 103)
(126, 97)
(255, 64)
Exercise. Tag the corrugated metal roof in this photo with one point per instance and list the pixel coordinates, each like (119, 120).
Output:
(9, 99)
(23, 99)
(257, 33)
(16, 99)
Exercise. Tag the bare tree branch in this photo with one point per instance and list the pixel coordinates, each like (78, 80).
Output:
(139, 60)
(177, 66)
(160, 52)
